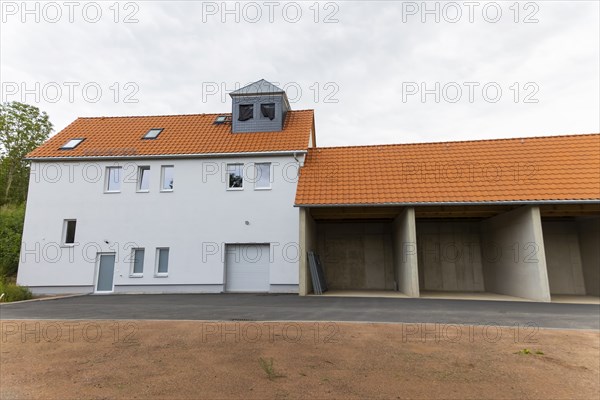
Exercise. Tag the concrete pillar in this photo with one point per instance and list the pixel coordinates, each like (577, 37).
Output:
(589, 244)
(307, 242)
(514, 259)
(406, 270)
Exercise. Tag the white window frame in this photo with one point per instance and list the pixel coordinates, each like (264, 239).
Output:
(107, 180)
(72, 143)
(162, 178)
(256, 176)
(155, 134)
(64, 232)
(132, 273)
(139, 179)
(227, 177)
(157, 261)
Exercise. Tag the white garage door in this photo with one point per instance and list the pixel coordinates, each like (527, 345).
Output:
(247, 268)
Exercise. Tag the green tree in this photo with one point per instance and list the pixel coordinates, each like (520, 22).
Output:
(11, 230)
(22, 129)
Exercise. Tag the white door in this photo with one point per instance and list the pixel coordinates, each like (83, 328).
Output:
(247, 268)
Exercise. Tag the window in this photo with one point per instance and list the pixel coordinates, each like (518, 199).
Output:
(162, 261)
(167, 178)
(71, 144)
(262, 179)
(138, 262)
(235, 179)
(153, 133)
(143, 179)
(221, 119)
(246, 112)
(69, 226)
(113, 179)
(268, 110)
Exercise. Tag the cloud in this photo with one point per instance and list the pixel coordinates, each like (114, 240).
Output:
(353, 72)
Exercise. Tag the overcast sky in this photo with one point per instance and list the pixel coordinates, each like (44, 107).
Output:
(375, 72)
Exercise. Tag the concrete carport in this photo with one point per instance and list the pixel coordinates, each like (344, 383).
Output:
(529, 233)
(526, 252)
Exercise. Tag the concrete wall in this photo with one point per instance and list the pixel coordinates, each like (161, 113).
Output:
(357, 255)
(406, 272)
(308, 242)
(563, 258)
(589, 242)
(514, 260)
(195, 220)
(450, 255)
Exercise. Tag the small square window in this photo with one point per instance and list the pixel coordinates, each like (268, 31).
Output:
(153, 133)
(168, 178)
(235, 180)
(268, 110)
(71, 144)
(262, 179)
(69, 227)
(113, 179)
(143, 179)
(137, 267)
(246, 112)
(162, 261)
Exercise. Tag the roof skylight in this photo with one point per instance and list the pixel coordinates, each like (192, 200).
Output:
(221, 119)
(153, 133)
(71, 144)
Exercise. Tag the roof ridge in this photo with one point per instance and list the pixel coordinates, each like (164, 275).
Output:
(457, 141)
(174, 115)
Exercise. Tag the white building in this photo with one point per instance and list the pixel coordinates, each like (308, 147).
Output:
(213, 203)
(186, 203)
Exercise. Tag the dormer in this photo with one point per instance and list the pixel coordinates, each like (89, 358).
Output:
(258, 107)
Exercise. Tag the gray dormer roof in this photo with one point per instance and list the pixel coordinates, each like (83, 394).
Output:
(257, 88)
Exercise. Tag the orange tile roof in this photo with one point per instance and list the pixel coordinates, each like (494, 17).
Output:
(182, 134)
(505, 170)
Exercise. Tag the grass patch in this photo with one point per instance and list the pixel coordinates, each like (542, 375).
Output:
(10, 291)
(526, 352)
(269, 369)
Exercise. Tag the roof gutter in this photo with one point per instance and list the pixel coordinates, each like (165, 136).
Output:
(171, 156)
(454, 203)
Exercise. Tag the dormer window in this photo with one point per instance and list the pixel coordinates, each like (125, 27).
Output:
(268, 110)
(246, 112)
(71, 144)
(153, 133)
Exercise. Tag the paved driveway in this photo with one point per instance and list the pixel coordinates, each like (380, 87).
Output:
(257, 307)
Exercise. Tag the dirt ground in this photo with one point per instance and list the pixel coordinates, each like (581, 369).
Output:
(191, 360)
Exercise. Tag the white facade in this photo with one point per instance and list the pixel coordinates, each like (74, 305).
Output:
(195, 221)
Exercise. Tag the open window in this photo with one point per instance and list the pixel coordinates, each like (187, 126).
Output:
(246, 112)
(235, 178)
(268, 110)
(143, 179)
(69, 227)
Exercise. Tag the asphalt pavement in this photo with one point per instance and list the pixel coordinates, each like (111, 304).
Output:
(272, 307)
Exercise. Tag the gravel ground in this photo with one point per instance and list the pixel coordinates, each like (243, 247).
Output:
(230, 360)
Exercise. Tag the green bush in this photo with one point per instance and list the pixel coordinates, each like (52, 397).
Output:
(13, 292)
(11, 230)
